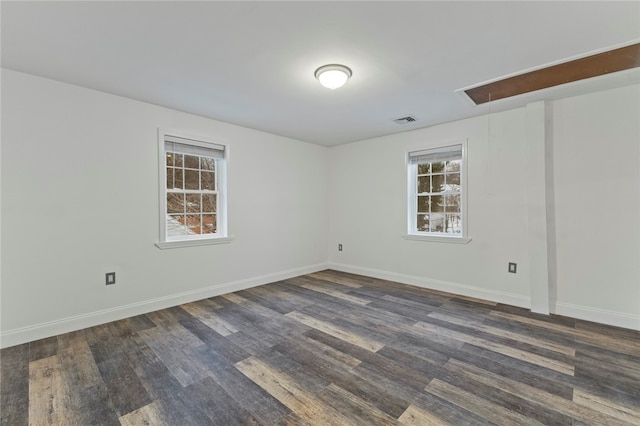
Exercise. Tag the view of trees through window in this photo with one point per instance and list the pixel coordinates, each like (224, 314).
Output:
(438, 197)
(191, 194)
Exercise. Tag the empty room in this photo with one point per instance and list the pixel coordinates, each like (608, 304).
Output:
(320, 213)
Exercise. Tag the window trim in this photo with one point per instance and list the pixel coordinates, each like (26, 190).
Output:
(410, 232)
(221, 236)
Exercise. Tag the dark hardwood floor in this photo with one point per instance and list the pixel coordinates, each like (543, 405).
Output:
(328, 349)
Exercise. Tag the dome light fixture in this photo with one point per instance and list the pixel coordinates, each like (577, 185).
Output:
(333, 76)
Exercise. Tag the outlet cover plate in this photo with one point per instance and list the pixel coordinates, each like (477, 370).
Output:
(513, 267)
(110, 278)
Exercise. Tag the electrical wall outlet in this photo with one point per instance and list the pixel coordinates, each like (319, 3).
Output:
(110, 278)
(512, 267)
(339, 247)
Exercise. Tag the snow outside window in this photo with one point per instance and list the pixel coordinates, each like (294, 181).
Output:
(192, 195)
(436, 202)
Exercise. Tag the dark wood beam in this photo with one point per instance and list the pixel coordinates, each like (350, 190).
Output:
(579, 69)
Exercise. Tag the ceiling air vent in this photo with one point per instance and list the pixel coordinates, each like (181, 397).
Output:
(404, 120)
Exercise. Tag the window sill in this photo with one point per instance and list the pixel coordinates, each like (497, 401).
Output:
(437, 239)
(193, 243)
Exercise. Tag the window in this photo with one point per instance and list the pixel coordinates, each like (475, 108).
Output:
(436, 194)
(192, 191)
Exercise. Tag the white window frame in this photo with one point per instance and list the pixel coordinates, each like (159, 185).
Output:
(221, 236)
(411, 232)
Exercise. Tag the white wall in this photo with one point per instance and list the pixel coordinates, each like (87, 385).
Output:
(367, 184)
(597, 196)
(80, 198)
(592, 231)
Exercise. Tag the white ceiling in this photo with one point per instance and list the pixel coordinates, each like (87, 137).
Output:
(252, 63)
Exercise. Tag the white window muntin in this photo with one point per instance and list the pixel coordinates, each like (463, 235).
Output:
(436, 154)
(170, 142)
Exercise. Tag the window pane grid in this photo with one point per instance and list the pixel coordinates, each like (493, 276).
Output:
(191, 188)
(438, 196)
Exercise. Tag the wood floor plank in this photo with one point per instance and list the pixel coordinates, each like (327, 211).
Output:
(141, 322)
(47, 396)
(168, 317)
(626, 346)
(368, 315)
(212, 338)
(285, 390)
(281, 360)
(561, 405)
(92, 406)
(338, 332)
(474, 300)
(247, 312)
(125, 388)
(551, 325)
(415, 416)
(234, 298)
(524, 372)
(563, 349)
(77, 359)
(149, 415)
(492, 412)
(616, 339)
(210, 318)
(527, 409)
(174, 357)
(249, 395)
(544, 334)
(499, 348)
(180, 409)
(587, 370)
(283, 327)
(405, 390)
(43, 348)
(372, 325)
(607, 406)
(609, 360)
(446, 412)
(284, 287)
(172, 334)
(338, 279)
(293, 419)
(426, 366)
(153, 373)
(410, 312)
(214, 402)
(394, 371)
(102, 343)
(255, 346)
(274, 299)
(87, 395)
(336, 293)
(342, 375)
(14, 385)
(357, 410)
(328, 352)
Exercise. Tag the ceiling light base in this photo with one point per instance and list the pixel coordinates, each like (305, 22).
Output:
(333, 76)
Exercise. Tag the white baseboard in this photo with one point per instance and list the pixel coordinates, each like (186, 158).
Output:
(450, 287)
(601, 316)
(65, 325)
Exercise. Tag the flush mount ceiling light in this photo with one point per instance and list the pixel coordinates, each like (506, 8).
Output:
(333, 76)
